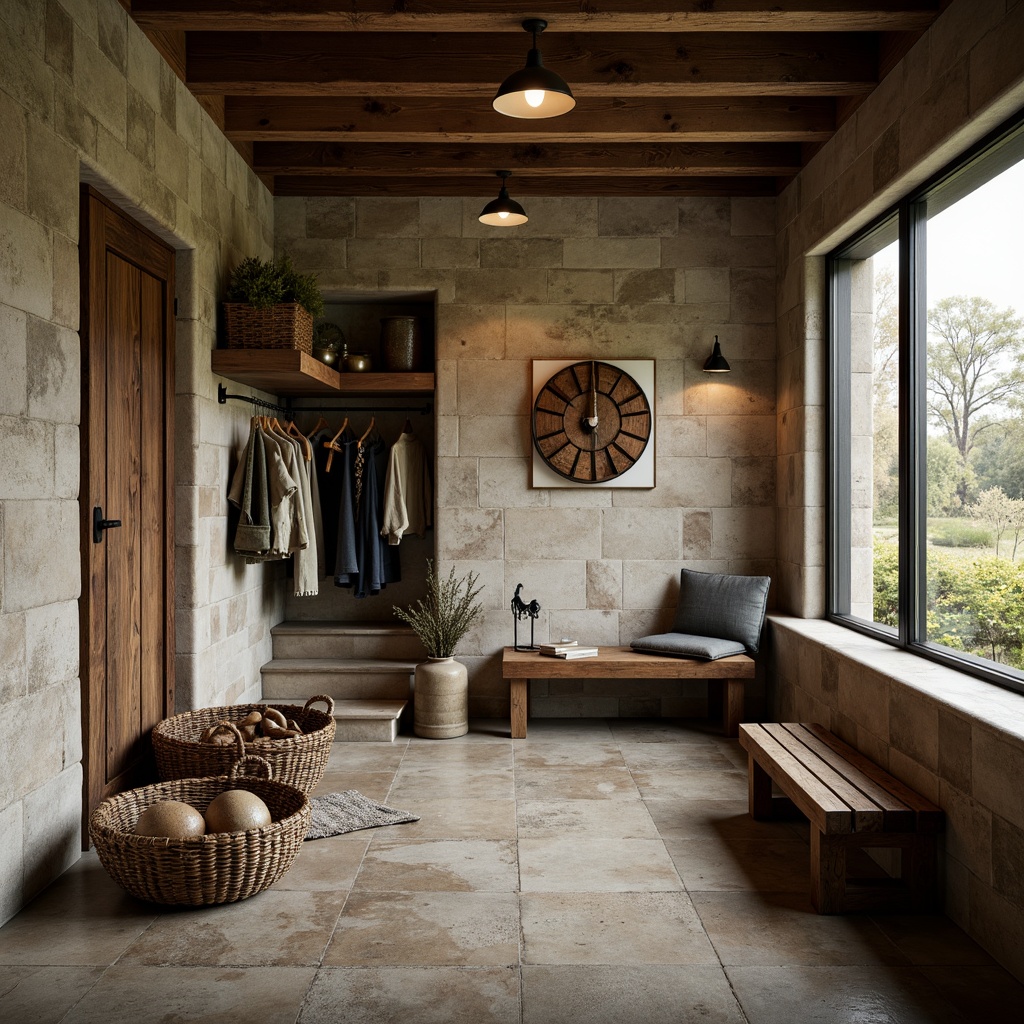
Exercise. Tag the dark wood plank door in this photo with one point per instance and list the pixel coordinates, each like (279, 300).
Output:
(127, 500)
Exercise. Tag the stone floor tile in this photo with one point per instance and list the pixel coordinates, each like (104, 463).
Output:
(83, 919)
(433, 929)
(932, 940)
(449, 783)
(840, 995)
(677, 757)
(462, 819)
(628, 995)
(713, 865)
(724, 820)
(367, 757)
(275, 928)
(547, 754)
(575, 784)
(446, 865)
(574, 864)
(481, 731)
(374, 785)
(566, 730)
(218, 995)
(781, 929)
(987, 994)
(613, 928)
(469, 756)
(326, 864)
(597, 819)
(43, 993)
(691, 785)
(665, 730)
(401, 995)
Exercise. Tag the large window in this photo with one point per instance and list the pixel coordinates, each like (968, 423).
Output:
(927, 418)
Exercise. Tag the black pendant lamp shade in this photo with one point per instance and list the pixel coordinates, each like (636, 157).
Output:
(716, 362)
(503, 212)
(534, 91)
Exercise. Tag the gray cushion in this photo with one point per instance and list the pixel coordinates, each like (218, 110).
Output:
(683, 645)
(718, 605)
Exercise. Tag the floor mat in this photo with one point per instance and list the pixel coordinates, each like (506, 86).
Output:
(350, 811)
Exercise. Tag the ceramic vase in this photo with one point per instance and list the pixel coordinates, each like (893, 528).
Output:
(400, 343)
(441, 699)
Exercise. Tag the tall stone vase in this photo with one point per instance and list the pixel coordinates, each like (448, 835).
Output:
(441, 699)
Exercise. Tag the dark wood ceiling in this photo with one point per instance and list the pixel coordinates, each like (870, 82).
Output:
(393, 97)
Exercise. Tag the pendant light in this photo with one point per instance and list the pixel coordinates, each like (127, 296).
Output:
(534, 91)
(503, 212)
(716, 362)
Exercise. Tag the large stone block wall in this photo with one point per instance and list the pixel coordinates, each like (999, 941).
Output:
(959, 741)
(83, 95)
(604, 278)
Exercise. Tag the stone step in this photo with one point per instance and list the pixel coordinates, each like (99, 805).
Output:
(328, 639)
(342, 679)
(360, 721)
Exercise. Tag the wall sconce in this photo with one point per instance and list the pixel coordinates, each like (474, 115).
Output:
(503, 212)
(716, 362)
(534, 91)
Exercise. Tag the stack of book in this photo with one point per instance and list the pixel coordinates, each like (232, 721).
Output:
(567, 649)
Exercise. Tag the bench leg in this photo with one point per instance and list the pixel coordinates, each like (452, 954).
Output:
(828, 872)
(732, 706)
(519, 696)
(759, 790)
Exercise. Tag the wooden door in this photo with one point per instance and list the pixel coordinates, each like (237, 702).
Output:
(127, 496)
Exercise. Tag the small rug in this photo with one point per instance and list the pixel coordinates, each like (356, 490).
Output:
(350, 811)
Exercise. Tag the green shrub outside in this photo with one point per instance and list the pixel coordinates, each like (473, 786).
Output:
(959, 533)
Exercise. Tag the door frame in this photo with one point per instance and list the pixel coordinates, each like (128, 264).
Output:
(104, 227)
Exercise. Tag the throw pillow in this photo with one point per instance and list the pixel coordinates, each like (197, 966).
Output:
(719, 605)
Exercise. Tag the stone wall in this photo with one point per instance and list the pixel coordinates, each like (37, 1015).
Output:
(604, 278)
(84, 96)
(959, 741)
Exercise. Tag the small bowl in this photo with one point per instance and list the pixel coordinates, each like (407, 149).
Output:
(357, 362)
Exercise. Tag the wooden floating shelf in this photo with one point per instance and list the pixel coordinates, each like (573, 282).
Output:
(289, 372)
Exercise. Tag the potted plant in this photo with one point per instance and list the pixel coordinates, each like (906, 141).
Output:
(271, 305)
(441, 620)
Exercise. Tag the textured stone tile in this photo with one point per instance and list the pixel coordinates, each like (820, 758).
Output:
(327, 865)
(600, 784)
(506, 483)
(391, 995)
(439, 866)
(438, 929)
(488, 387)
(458, 483)
(638, 217)
(462, 818)
(440, 217)
(612, 253)
(512, 253)
(932, 940)
(579, 286)
(374, 253)
(594, 819)
(720, 821)
(552, 533)
(53, 826)
(608, 994)
(387, 217)
(690, 784)
(622, 537)
(471, 332)
(448, 780)
(44, 993)
(495, 436)
(954, 750)
(471, 533)
(604, 583)
(128, 994)
(613, 928)
(575, 864)
(636, 286)
(752, 865)
(703, 285)
(26, 263)
(450, 253)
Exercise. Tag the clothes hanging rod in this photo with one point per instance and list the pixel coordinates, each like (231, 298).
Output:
(372, 405)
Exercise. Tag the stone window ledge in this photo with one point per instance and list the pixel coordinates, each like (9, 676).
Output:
(989, 705)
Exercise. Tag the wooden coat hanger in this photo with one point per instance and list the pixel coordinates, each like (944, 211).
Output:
(333, 445)
(320, 424)
(293, 431)
(407, 429)
(373, 420)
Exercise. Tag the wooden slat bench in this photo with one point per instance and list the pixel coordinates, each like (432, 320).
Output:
(851, 803)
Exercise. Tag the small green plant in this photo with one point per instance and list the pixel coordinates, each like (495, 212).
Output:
(444, 616)
(264, 283)
(959, 533)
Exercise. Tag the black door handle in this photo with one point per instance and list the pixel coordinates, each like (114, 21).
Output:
(99, 524)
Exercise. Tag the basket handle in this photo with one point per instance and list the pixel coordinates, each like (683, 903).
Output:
(329, 701)
(251, 760)
(239, 738)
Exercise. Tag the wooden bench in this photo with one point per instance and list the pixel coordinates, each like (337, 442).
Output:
(851, 804)
(519, 667)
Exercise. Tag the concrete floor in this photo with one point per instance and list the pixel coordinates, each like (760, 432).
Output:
(595, 872)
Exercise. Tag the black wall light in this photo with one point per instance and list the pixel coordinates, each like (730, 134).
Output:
(503, 212)
(534, 91)
(716, 362)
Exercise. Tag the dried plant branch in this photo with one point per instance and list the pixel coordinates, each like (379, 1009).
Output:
(444, 616)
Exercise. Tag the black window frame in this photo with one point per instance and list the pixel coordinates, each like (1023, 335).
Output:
(999, 150)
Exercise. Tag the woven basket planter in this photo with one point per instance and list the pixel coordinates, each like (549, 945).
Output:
(286, 325)
(299, 761)
(220, 867)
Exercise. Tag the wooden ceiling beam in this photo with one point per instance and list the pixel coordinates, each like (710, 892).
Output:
(531, 185)
(467, 64)
(420, 120)
(334, 159)
(495, 16)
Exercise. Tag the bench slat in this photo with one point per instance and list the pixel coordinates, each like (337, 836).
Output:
(898, 817)
(825, 810)
(930, 818)
(868, 816)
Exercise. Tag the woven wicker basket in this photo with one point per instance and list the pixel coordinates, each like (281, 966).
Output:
(299, 761)
(286, 325)
(217, 868)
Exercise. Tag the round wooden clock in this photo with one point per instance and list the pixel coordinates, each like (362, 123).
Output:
(591, 422)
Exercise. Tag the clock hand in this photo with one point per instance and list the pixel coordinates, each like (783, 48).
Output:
(590, 423)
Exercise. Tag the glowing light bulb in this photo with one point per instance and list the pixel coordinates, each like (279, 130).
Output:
(503, 214)
(534, 97)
